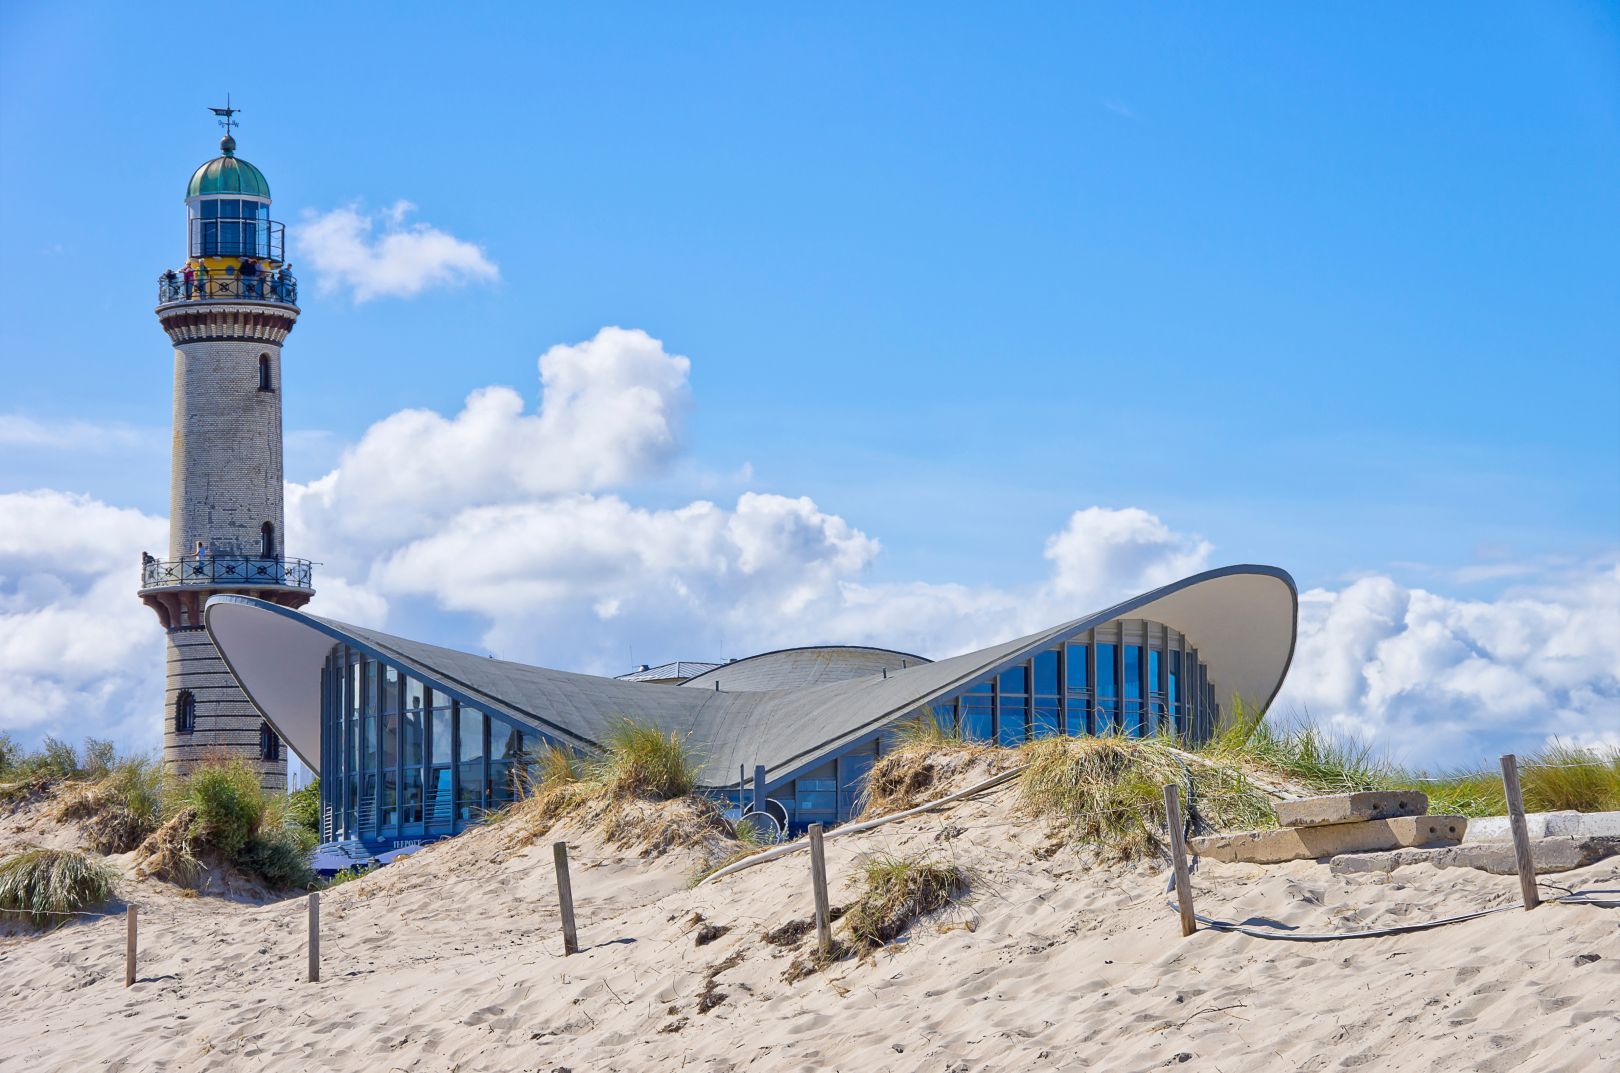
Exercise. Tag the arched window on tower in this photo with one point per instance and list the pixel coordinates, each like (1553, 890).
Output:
(269, 744)
(267, 541)
(185, 712)
(264, 373)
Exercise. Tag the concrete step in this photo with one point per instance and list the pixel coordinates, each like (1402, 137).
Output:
(1548, 855)
(1351, 808)
(1308, 843)
(1567, 824)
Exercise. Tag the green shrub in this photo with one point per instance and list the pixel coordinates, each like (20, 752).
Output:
(304, 808)
(279, 856)
(350, 874)
(99, 758)
(11, 755)
(229, 803)
(39, 882)
(55, 757)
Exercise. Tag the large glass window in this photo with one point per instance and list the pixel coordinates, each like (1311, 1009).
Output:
(1077, 672)
(977, 713)
(1173, 691)
(1045, 701)
(1156, 701)
(470, 740)
(1135, 725)
(1013, 729)
(1107, 704)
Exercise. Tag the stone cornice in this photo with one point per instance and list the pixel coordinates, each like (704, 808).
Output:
(198, 322)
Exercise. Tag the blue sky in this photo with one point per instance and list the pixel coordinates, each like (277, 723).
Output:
(1330, 289)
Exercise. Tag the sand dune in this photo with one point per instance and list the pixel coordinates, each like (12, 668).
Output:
(452, 961)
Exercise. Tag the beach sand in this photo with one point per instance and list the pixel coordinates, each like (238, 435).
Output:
(452, 960)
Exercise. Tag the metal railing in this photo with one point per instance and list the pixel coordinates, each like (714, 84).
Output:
(228, 570)
(279, 286)
(238, 237)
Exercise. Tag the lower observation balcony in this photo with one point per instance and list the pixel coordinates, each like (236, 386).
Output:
(177, 590)
(278, 286)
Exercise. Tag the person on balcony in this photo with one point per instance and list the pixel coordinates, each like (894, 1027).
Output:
(250, 278)
(189, 276)
(171, 286)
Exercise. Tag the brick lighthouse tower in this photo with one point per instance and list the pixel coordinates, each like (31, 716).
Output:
(227, 310)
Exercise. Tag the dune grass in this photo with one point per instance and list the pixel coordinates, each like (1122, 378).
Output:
(220, 807)
(37, 883)
(898, 891)
(121, 808)
(641, 761)
(1108, 793)
(1554, 777)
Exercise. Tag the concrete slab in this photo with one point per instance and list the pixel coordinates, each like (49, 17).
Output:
(1306, 843)
(1351, 808)
(1549, 855)
(1547, 825)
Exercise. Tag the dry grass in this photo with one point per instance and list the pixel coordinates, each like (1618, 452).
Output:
(170, 852)
(638, 793)
(924, 763)
(118, 811)
(897, 892)
(1108, 793)
(37, 883)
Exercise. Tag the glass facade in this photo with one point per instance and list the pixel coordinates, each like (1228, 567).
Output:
(1123, 678)
(403, 760)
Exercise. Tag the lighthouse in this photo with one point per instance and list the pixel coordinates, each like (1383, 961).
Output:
(227, 309)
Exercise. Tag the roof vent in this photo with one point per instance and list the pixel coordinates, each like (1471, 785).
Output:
(643, 667)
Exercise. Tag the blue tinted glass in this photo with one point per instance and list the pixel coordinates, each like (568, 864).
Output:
(1014, 680)
(1133, 672)
(210, 210)
(975, 709)
(1046, 673)
(1079, 716)
(1077, 668)
(1013, 716)
(1155, 670)
(1107, 683)
(1045, 723)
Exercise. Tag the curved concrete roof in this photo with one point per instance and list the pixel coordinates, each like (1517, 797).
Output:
(790, 668)
(1241, 618)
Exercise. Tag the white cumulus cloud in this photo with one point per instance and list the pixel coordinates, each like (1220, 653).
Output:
(1433, 679)
(79, 654)
(382, 255)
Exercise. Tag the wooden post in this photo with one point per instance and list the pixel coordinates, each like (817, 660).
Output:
(129, 946)
(1521, 835)
(1178, 857)
(314, 937)
(565, 898)
(818, 884)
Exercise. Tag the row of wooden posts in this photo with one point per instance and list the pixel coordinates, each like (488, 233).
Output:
(818, 880)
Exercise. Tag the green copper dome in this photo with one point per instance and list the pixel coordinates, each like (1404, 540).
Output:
(228, 175)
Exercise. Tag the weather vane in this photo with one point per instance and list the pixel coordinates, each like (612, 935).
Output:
(227, 112)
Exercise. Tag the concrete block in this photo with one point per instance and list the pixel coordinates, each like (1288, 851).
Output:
(1547, 854)
(1307, 843)
(1547, 825)
(1351, 808)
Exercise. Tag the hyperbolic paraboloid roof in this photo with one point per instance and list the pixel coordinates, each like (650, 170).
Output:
(1241, 618)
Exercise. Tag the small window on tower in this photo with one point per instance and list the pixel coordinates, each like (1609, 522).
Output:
(264, 373)
(267, 541)
(185, 712)
(269, 744)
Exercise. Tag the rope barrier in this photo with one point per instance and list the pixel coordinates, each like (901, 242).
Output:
(1573, 898)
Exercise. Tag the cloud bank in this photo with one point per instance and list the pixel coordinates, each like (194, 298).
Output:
(523, 522)
(381, 255)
